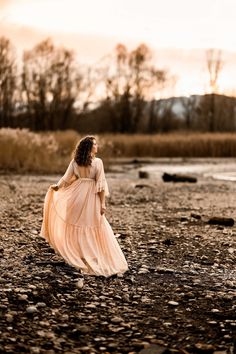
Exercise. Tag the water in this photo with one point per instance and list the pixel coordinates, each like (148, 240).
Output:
(216, 168)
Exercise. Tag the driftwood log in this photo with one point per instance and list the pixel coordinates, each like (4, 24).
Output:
(142, 185)
(196, 216)
(178, 178)
(217, 220)
(143, 174)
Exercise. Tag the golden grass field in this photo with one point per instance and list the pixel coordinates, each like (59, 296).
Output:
(24, 151)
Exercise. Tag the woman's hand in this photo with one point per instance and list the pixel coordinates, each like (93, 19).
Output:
(54, 187)
(103, 209)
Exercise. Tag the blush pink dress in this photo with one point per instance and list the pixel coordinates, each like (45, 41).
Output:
(73, 225)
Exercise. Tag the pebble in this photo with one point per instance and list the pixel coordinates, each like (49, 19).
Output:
(116, 319)
(31, 309)
(83, 329)
(143, 271)
(22, 297)
(80, 283)
(173, 303)
(35, 350)
(9, 318)
(154, 349)
(90, 306)
(40, 304)
(215, 310)
(204, 347)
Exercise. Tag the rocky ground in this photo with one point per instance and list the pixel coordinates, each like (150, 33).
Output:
(177, 297)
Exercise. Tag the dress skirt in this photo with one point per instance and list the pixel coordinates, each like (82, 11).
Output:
(74, 227)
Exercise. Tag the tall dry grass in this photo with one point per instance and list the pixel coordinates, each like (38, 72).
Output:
(170, 145)
(25, 151)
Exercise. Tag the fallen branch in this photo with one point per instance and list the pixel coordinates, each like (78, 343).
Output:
(196, 216)
(178, 178)
(217, 220)
(143, 174)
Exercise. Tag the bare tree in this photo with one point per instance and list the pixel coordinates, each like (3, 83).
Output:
(214, 66)
(51, 84)
(189, 104)
(131, 79)
(91, 87)
(8, 82)
(145, 78)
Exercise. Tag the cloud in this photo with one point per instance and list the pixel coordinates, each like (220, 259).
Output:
(5, 6)
(90, 48)
(5, 3)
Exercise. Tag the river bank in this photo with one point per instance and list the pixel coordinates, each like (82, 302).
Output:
(179, 292)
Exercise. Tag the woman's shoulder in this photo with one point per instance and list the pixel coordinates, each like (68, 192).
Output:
(97, 163)
(74, 165)
(73, 162)
(97, 160)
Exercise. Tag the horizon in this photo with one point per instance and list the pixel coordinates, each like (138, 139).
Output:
(183, 32)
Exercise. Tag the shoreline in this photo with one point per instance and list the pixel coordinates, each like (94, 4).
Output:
(179, 292)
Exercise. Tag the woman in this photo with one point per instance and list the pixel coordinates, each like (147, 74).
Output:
(74, 223)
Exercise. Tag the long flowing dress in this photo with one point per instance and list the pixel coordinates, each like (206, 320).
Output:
(73, 224)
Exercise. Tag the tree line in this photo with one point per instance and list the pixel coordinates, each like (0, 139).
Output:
(49, 90)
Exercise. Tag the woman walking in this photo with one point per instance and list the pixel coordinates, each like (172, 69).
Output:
(74, 222)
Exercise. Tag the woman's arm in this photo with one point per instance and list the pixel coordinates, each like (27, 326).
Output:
(66, 178)
(103, 201)
(101, 185)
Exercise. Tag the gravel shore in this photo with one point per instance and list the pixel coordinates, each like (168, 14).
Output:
(177, 297)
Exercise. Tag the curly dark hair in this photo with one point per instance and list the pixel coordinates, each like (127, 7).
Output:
(82, 153)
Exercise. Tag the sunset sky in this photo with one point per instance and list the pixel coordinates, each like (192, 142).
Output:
(178, 31)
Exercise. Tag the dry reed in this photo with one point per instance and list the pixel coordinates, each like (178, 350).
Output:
(50, 152)
(24, 151)
(170, 145)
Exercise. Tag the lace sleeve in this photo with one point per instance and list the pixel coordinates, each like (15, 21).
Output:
(67, 178)
(101, 183)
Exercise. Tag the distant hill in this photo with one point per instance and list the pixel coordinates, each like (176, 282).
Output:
(210, 112)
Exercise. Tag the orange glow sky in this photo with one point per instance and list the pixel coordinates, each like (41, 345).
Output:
(178, 31)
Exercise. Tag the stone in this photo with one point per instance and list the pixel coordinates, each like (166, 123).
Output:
(31, 309)
(154, 349)
(80, 283)
(116, 319)
(40, 304)
(204, 347)
(173, 303)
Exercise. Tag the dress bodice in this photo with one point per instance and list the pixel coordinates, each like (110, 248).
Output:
(86, 171)
(95, 172)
